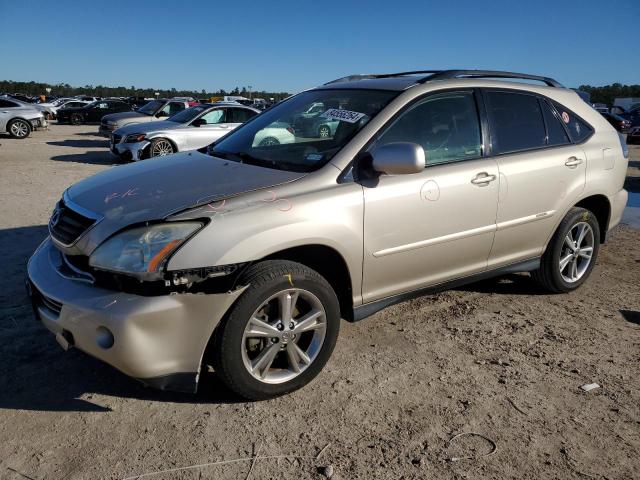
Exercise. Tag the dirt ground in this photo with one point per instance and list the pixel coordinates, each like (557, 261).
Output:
(499, 359)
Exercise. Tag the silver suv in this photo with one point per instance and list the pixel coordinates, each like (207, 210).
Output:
(245, 256)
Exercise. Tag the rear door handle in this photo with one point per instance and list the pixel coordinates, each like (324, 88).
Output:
(482, 179)
(573, 162)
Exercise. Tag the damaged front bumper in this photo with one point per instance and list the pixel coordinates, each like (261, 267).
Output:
(159, 340)
(129, 151)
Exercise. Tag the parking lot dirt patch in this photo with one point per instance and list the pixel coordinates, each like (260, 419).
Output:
(499, 361)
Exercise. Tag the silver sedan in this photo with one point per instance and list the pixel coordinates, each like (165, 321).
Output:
(193, 128)
(18, 119)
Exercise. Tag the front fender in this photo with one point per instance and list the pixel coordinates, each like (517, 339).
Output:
(251, 227)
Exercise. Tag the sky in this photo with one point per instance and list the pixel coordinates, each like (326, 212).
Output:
(293, 45)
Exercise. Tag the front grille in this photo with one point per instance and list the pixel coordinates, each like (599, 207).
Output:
(67, 225)
(44, 301)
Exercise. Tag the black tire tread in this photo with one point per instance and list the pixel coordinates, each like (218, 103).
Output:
(255, 276)
(544, 275)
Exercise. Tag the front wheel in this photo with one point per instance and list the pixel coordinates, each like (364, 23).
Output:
(571, 253)
(76, 119)
(280, 333)
(160, 147)
(19, 128)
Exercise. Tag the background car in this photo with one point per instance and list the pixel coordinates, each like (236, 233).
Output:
(151, 112)
(19, 119)
(55, 105)
(633, 137)
(619, 123)
(92, 112)
(276, 133)
(190, 129)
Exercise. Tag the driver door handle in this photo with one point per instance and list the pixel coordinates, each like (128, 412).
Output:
(573, 162)
(483, 179)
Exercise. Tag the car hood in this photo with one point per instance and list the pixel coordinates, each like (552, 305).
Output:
(156, 188)
(122, 116)
(148, 127)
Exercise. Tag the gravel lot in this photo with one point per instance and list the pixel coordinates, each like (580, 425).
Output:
(499, 358)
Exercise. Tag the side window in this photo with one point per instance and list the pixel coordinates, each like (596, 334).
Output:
(102, 105)
(240, 115)
(516, 121)
(175, 107)
(215, 116)
(556, 134)
(7, 104)
(578, 130)
(446, 125)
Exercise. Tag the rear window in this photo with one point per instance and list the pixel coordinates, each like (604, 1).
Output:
(556, 134)
(516, 121)
(578, 129)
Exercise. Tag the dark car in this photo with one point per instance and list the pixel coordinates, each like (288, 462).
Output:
(92, 112)
(619, 123)
(633, 115)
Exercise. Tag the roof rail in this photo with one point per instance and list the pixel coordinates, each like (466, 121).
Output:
(447, 74)
(365, 76)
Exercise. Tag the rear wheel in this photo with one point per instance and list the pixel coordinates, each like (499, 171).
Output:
(280, 333)
(76, 119)
(160, 147)
(19, 128)
(571, 253)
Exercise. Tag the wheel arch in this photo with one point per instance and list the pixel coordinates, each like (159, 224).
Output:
(600, 206)
(329, 263)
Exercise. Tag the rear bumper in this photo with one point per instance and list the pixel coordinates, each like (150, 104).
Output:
(158, 340)
(618, 203)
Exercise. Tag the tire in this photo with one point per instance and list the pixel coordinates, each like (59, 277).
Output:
(160, 147)
(555, 277)
(236, 349)
(268, 141)
(324, 131)
(19, 128)
(76, 119)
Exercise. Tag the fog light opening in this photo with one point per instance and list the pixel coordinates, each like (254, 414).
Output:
(104, 337)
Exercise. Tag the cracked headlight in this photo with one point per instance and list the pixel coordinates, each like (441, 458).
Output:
(142, 251)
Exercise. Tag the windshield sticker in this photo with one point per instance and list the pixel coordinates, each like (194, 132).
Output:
(343, 115)
(315, 157)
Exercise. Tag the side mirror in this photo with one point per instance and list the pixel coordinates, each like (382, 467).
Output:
(198, 122)
(398, 158)
(162, 114)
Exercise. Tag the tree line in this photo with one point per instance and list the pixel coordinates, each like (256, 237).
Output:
(608, 93)
(66, 90)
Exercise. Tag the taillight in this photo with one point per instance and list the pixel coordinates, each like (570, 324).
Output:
(291, 130)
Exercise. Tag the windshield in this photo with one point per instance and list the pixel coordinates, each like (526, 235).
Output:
(188, 114)
(303, 133)
(151, 107)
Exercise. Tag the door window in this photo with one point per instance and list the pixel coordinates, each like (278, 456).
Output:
(240, 115)
(172, 108)
(578, 130)
(7, 104)
(556, 134)
(102, 105)
(516, 122)
(446, 125)
(214, 116)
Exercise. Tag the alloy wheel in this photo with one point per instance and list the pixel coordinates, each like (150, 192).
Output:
(161, 148)
(19, 129)
(284, 336)
(576, 252)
